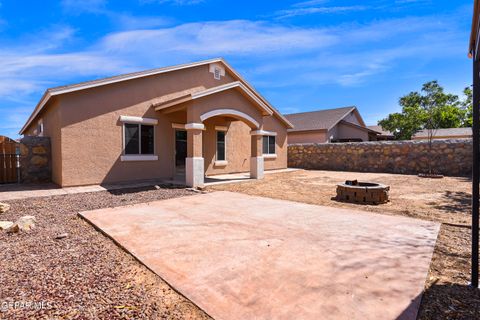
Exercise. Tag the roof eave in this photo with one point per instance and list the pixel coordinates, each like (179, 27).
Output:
(38, 108)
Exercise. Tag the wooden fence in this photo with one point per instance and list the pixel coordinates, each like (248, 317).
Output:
(9, 160)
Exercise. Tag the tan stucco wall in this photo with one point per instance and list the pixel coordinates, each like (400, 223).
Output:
(88, 142)
(237, 147)
(307, 137)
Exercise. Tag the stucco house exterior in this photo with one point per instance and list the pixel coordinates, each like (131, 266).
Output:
(330, 125)
(188, 121)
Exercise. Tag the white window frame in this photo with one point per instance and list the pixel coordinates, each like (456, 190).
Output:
(139, 121)
(270, 155)
(224, 130)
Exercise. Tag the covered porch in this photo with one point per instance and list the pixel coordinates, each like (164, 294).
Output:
(217, 131)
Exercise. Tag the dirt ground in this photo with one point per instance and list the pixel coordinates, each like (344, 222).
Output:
(85, 275)
(447, 200)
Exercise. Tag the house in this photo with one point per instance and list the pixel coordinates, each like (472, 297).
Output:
(332, 125)
(382, 133)
(187, 120)
(447, 133)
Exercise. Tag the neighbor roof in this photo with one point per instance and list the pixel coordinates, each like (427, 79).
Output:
(380, 130)
(318, 120)
(448, 132)
(129, 76)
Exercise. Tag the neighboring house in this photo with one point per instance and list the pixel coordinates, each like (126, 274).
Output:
(193, 120)
(332, 125)
(449, 133)
(382, 134)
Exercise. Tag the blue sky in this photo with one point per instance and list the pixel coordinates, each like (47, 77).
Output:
(301, 55)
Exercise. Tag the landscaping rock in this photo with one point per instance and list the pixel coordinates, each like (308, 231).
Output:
(39, 161)
(5, 225)
(4, 207)
(26, 223)
(61, 236)
(13, 229)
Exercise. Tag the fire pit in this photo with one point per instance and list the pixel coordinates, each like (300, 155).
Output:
(362, 192)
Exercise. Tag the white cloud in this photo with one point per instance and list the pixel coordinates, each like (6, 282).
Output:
(236, 37)
(309, 3)
(129, 22)
(317, 10)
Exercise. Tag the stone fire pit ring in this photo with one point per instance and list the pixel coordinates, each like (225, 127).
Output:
(362, 192)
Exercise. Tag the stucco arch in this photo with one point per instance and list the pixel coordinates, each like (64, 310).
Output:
(250, 121)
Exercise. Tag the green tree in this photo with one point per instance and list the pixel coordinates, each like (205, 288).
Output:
(430, 109)
(467, 106)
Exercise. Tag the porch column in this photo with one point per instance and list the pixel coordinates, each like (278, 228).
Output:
(194, 176)
(256, 159)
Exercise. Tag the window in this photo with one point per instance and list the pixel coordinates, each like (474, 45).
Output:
(139, 139)
(268, 144)
(39, 130)
(221, 150)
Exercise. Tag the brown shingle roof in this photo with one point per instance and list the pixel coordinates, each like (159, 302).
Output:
(317, 120)
(380, 130)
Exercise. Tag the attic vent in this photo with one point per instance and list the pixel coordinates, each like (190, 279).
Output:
(217, 73)
(217, 69)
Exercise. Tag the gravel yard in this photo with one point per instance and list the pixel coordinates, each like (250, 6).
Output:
(85, 275)
(447, 295)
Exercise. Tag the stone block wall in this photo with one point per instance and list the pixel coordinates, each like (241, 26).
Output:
(449, 157)
(35, 160)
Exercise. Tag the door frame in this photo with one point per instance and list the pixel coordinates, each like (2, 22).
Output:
(176, 127)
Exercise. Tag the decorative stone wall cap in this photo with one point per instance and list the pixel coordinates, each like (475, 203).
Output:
(194, 126)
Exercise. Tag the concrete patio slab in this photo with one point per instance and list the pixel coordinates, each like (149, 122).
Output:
(244, 257)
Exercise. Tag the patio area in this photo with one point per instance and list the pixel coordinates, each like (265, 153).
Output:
(238, 256)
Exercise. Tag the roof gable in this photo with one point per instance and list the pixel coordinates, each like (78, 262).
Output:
(51, 92)
(197, 93)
